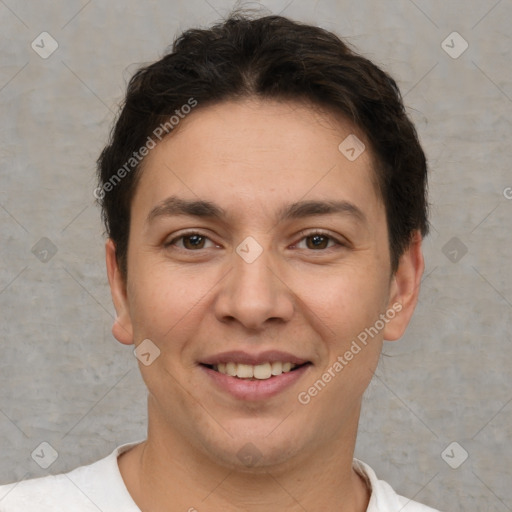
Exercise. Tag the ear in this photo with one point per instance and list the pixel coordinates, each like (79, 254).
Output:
(405, 288)
(122, 328)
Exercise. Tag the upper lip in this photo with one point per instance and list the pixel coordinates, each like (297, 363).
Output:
(241, 357)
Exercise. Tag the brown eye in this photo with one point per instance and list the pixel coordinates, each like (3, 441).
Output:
(189, 241)
(194, 241)
(317, 241)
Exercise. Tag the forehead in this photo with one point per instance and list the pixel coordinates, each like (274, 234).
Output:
(254, 151)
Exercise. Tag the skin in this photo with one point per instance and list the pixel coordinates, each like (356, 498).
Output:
(252, 157)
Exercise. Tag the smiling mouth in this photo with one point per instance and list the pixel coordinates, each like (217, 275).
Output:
(261, 371)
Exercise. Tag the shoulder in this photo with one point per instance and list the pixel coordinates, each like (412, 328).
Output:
(383, 497)
(87, 488)
(407, 505)
(46, 494)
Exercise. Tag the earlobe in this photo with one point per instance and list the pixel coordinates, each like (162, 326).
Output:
(405, 288)
(122, 327)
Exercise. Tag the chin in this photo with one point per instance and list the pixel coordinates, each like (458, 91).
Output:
(257, 448)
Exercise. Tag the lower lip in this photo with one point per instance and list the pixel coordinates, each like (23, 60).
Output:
(245, 389)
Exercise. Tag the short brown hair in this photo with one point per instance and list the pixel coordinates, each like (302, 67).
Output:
(276, 58)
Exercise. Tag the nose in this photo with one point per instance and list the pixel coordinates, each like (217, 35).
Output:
(254, 294)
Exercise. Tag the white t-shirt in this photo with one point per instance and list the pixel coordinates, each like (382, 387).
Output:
(100, 487)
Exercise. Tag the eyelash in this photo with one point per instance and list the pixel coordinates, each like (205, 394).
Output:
(303, 234)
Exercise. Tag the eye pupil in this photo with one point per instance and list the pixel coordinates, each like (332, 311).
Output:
(194, 240)
(318, 240)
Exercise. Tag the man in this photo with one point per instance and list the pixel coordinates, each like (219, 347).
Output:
(264, 195)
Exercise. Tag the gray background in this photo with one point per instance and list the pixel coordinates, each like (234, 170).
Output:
(66, 381)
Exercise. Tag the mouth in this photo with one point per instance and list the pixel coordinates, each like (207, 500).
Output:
(263, 371)
(254, 377)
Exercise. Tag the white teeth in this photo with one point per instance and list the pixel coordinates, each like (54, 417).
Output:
(245, 371)
(230, 369)
(277, 368)
(260, 371)
(287, 367)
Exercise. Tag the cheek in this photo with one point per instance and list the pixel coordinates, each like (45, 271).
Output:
(346, 311)
(346, 301)
(167, 301)
(157, 301)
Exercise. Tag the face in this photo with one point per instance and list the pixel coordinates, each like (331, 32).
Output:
(258, 259)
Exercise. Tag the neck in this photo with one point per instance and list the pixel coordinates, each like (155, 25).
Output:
(166, 474)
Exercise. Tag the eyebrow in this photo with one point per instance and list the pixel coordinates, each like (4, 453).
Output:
(175, 206)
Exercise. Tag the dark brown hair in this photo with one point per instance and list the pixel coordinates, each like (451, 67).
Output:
(275, 58)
